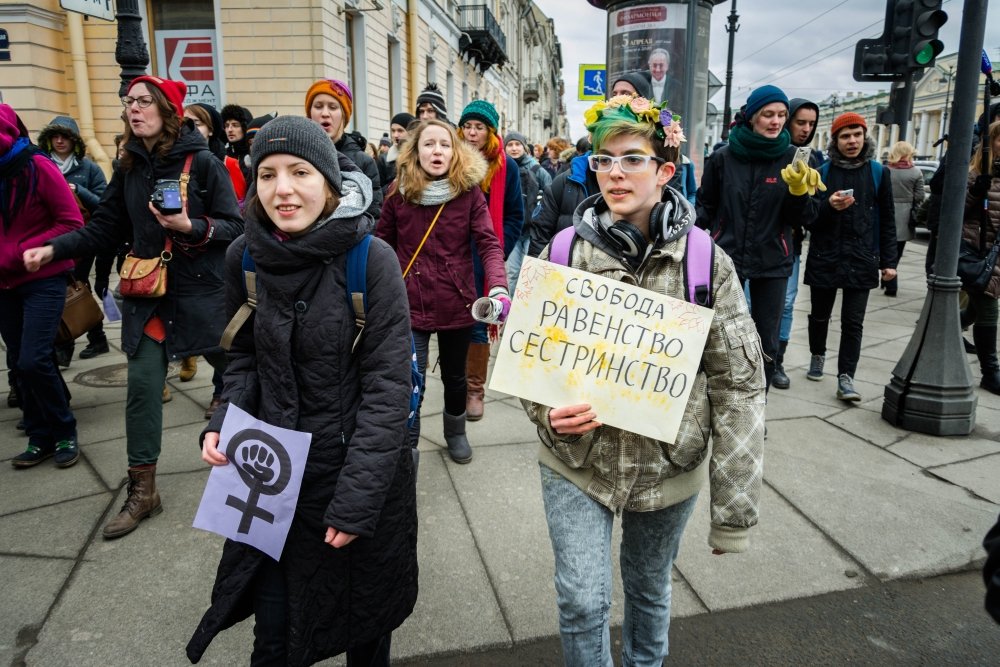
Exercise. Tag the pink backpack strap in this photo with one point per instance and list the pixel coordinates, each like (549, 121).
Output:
(698, 266)
(562, 242)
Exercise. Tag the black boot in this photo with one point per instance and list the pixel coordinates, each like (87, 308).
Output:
(779, 380)
(454, 434)
(97, 343)
(985, 339)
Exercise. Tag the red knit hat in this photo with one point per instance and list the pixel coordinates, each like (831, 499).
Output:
(174, 91)
(848, 119)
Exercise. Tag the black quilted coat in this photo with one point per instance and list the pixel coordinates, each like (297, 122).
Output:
(291, 365)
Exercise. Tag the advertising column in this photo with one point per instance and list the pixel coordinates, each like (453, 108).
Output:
(667, 44)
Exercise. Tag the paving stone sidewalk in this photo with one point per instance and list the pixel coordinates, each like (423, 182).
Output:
(848, 500)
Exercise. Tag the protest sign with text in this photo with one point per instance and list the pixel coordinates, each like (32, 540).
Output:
(575, 337)
(252, 498)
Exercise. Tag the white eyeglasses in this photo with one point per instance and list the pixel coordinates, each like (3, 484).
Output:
(629, 164)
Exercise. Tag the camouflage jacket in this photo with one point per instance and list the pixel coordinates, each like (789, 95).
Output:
(626, 471)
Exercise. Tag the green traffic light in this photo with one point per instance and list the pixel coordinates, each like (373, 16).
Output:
(924, 55)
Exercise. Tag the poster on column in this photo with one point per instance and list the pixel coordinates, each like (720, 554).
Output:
(190, 56)
(575, 337)
(650, 40)
(252, 498)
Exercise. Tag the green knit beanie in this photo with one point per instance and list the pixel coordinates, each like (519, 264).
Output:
(482, 111)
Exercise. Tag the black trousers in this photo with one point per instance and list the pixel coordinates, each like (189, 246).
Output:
(453, 347)
(767, 303)
(270, 629)
(852, 318)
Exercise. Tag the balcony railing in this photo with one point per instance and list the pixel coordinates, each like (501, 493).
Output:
(482, 39)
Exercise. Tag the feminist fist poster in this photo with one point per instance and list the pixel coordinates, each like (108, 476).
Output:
(252, 498)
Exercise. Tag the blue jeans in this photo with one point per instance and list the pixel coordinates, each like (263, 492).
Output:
(792, 291)
(29, 318)
(515, 260)
(580, 530)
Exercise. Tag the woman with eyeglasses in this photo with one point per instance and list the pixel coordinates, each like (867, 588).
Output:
(329, 102)
(750, 211)
(160, 145)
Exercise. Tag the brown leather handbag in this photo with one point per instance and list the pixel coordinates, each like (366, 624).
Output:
(80, 314)
(147, 278)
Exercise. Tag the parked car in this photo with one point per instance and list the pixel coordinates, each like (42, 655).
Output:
(927, 169)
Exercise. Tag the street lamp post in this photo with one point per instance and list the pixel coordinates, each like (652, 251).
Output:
(944, 116)
(130, 49)
(727, 112)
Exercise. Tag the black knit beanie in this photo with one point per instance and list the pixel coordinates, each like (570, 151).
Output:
(302, 137)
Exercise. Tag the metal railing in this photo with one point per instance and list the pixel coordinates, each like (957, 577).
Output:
(479, 19)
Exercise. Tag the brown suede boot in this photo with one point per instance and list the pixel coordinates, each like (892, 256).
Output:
(189, 368)
(141, 502)
(476, 363)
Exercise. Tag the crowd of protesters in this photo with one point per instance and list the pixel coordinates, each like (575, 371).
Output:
(454, 209)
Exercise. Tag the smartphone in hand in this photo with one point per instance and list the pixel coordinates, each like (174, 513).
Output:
(847, 193)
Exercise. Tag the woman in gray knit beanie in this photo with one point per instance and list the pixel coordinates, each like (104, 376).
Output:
(302, 363)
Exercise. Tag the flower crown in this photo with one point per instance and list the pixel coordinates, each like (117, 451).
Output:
(639, 110)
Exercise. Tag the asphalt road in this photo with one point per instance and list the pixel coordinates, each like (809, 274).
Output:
(937, 621)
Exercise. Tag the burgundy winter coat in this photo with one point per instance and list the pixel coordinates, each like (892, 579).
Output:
(440, 285)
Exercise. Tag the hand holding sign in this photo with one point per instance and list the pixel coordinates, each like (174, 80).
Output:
(253, 500)
(573, 419)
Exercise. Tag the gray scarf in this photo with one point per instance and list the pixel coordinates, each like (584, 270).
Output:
(436, 193)
(67, 165)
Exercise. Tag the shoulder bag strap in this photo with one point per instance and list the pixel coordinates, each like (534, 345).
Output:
(426, 234)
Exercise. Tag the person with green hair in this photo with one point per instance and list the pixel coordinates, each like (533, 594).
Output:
(636, 230)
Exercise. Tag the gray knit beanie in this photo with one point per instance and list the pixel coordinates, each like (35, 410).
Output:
(302, 137)
(516, 136)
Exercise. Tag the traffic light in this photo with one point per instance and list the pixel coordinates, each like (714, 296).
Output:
(908, 41)
(871, 56)
(924, 44)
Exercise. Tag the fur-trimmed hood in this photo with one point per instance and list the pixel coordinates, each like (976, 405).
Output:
(62, 125)
(478, 167)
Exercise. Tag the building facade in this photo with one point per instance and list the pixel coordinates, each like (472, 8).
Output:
(264, 56)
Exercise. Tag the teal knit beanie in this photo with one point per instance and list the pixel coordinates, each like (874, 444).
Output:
(482, 111)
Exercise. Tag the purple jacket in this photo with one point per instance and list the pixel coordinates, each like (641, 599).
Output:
(49, 210)
(440, 285)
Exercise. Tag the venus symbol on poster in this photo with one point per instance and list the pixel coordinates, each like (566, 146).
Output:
(252, 498)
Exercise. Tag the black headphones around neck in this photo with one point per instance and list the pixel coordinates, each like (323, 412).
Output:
(626, 237)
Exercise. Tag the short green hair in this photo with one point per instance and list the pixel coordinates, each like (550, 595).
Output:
(606, 129)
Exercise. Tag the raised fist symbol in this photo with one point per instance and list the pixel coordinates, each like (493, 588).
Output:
(257, 462)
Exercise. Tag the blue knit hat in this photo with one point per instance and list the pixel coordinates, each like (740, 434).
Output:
(482, 111)
(763, 96)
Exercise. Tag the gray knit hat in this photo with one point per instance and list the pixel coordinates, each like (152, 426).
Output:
(516, 136)
(302, 137)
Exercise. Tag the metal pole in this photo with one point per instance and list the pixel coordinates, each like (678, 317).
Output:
(130, 50)
(931, 388)
(727, 114)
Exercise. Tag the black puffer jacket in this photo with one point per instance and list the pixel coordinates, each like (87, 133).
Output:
(847, 248)
(291, 365)
(353, 146)
(747, 209)
(559, 202)
(192, 310)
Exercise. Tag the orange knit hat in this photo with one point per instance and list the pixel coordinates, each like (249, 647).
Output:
(338, 89)
(848, 119)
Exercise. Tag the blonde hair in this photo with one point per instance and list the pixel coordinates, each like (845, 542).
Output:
(976, 164)
(412, 180)
(901, 150)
